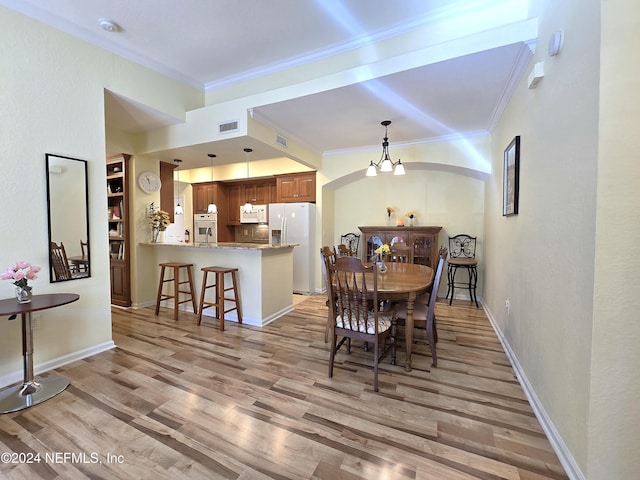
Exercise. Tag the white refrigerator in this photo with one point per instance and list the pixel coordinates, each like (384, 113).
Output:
(296, 223)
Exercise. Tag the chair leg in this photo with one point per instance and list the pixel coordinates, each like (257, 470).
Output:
(375, 364)
(452, 283)
(432, 340)
(159, 291)
(473, 273)
(332, 354)
(235, 295)
(176, 292)
(202, 291)
(193, 290)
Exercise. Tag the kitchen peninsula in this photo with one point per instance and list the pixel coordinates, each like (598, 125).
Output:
(265, 275)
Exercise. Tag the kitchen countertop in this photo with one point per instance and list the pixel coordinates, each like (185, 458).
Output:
(227, 245)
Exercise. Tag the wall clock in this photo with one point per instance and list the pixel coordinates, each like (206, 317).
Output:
(149, 182)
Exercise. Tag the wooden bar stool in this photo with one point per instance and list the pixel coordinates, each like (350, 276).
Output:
(220, 272)
(176, 287)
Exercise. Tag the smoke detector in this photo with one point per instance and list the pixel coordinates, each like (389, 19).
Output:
(108, 25)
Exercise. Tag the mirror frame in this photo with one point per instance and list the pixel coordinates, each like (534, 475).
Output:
(49, 157)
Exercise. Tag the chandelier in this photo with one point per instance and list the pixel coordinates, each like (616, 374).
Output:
(178, 210)
(212, 207)
(385, 164)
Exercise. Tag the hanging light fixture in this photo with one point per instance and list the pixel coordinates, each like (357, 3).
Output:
(385, 164)
(247, 208)
(178, 210)
(212, 207)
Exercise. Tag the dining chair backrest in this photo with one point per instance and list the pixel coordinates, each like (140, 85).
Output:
(345, 251)
(351, 306)
(83, 248)
(59, 262)
(352, 295)
(327, 257)
(399, 252)
(431, 310)
(462, 246)
(351, 241)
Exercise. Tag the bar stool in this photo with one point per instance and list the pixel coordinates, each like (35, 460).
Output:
(462, 254)
(176, 287)
(220, 272)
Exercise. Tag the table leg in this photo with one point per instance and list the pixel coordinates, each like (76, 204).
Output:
(408, 326)
(30, 392)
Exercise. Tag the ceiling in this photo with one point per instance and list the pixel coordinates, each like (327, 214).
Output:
(459, 87)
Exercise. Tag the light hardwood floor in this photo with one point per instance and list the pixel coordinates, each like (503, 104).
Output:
(175, 401)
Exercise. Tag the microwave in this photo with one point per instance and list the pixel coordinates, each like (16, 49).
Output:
(258, 214)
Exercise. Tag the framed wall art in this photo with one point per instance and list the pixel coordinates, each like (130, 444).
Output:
(511, 178)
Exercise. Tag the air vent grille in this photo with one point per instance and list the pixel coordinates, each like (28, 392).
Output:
(282, 141)
(226, 127)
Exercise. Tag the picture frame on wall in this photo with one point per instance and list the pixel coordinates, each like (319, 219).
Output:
(511, 178)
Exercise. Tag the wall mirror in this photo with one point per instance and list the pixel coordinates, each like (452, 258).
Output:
(68, 200)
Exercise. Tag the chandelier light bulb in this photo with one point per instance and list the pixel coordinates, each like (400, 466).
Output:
(385, 163)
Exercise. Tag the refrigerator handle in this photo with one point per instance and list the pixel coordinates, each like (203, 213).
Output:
(284, 230)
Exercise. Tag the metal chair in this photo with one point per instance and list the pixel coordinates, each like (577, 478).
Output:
(352, 241)
(462, 255)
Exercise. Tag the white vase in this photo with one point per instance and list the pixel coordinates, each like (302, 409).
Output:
(161, 236)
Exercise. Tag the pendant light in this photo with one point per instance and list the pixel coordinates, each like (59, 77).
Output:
(212, 207)
(247, 208)
(385, 163)
(178, 210)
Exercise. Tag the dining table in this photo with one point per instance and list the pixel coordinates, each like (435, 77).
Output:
(79, 263)
(405, 282)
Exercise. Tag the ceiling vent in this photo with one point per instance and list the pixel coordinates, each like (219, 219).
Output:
(282, 141)
(227, 127)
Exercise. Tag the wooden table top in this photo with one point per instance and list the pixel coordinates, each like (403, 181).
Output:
(404, 278)
(10, 306)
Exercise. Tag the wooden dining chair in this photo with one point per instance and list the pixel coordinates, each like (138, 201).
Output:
(424, 309)
(350, 307)
(327, 258)
(399, 252)
(344, 251)
(59, 262)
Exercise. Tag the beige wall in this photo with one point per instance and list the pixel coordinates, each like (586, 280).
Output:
(614, 408)
(572, 327)
(546, 259)
(53, 101)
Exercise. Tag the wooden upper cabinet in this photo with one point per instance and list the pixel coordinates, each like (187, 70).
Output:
(235, 198)
(258, 193)
(296, 187)
(206, 193)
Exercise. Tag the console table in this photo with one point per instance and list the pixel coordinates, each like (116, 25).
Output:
(423, 242)
(32, 392)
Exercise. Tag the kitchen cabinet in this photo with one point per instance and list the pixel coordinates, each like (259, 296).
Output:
(296, 187)
(206, 193)
(423, 242)
(235, 198)
(214, 192)
(258, 193)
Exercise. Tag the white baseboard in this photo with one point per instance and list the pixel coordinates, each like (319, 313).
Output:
(557, 443)
(15, 377)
